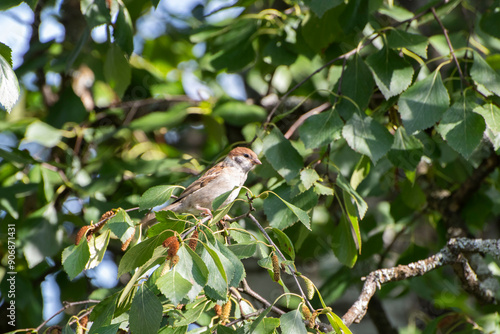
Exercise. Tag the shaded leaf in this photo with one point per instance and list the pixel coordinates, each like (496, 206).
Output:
(75, 258)
(145, 312)
(343, 244)
(308, 176)
(102, 314)
(321, 129)
(156, 196)
(422, 105)
(406, 151)
(283, 211)
(413, 42)
(117, 70)
(360, 202)
(367, 136)
(392, 73)
(239, 113)
(491, 115)
(123, 30)
(461, 127)
(292, 322)
(282, 155)
(320, 7)
(193, 269)
(174, 286)
(285, 243)
(483, 74)
(357, 85)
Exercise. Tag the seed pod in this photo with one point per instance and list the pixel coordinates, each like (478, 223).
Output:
(173, 246)
(226, 311)
(174, 260)
(276, 268)
(127, 242)
(312, 319)
(194, 240)
(218, 310)
(104, 219)
(306, 312)
(309, 287)
(81, 233)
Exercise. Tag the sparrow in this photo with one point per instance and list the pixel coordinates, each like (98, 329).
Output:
(229, 174)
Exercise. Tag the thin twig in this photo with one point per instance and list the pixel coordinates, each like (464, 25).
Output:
(292, 270)
(248, 290)
(304, 117)
(66, 306)
(450, 46)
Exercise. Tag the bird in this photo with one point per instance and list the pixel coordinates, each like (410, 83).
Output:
(229, 174)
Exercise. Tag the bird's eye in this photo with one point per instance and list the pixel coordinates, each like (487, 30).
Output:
(246, 155)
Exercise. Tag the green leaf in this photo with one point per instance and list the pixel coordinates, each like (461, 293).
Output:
(406, 151)
(219, 200)
(320, 32)
(320, 7)
(282, 213)
(392, 73)
(156, 196)
(234, 268)
(360, 172)
(96, 12)
(357, 85)
(321, 129)
(335, 320)
(360, 202)
(6, 53)
(141, 253)
(193, 269)
(75, 258)
(243, 250)
(193, 312)
(353, 218)
(166, 221)
(117, 70)
(102, 314)
(422, 105)
(121, 225)
(97, 249)
(482, 73)
(491, 115)
(216, 288)
(145, 312)
(285, 243)
(292, 322)
(308, 176)
(343, 244)
(43, 134)
(367, 136)
(123, 30)
(355, 16)
(174, 286)
(461, 127)
(489, 21)
(401, 39)
(282, 155)
(9, 86)
(239, 113)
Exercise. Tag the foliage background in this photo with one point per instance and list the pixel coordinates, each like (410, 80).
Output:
(400, 155)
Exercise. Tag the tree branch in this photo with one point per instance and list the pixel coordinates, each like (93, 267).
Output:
(452, 254)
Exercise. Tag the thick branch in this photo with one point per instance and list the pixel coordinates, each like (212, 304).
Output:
(452, 253)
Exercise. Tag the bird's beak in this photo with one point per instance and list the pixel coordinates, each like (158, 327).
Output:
(256, 161)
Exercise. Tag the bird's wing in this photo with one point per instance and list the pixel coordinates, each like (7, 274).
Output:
(204, 180)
